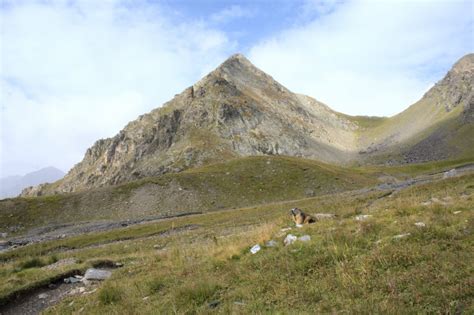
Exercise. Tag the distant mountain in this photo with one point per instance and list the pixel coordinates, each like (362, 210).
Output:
(238, 110)
(12, 186)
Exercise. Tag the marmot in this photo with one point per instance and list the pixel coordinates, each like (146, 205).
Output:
(300, 217)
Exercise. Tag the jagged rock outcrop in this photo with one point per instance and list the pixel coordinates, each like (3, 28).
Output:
(238, 110)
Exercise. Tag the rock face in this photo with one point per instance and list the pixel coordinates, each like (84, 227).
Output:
(238, 110)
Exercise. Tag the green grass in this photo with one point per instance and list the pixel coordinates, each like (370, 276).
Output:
(233, 184)
(110, 295)
(348, 266)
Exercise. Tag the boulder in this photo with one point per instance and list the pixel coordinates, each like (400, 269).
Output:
(289, 239)
(255, 249)
(97, 274)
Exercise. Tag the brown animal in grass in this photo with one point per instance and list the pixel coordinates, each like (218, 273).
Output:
(299, 217)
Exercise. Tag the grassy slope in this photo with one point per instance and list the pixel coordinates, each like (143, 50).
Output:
(348, 266)
(233, 184)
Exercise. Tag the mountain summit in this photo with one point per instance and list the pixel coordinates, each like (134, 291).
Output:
(238, 110)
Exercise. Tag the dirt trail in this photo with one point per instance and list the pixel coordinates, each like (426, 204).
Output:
(54, 232)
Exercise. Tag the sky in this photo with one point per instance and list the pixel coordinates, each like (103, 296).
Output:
(73, 72)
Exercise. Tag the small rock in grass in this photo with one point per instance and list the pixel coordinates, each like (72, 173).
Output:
(42, 296)
(420, 224)
(145, 298)
(285, 229)
(255, 249)
(457, 212)
(271, 243)
(304, 238)
(71, 280)
(362, 217)
(399, 236)
(299, 225)
(239, 303)
(3, 235)
(450, 173)
(289, 239)
(97, 274)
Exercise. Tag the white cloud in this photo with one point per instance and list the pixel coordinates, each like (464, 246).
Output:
(367, 57)
(230, 13)
(73, 73)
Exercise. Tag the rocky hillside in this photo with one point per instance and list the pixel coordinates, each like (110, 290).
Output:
(439, 126)
(238, 110)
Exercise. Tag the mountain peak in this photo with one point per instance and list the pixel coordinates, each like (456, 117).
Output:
(234, 62)
(241, 74)
(464, 64)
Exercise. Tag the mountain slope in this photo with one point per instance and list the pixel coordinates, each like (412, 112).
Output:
(238, 110)
(439, 126)
(236, 183)
(12, 186)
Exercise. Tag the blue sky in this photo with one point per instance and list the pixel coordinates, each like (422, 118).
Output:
(76, 71)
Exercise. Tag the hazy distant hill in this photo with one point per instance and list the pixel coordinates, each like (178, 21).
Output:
(238, 110)
(11, 186)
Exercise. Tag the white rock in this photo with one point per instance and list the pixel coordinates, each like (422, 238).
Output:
(362, 217)
(285, 229)
(304, 238)
(255, 249)
(457, 212)
(97, 274)
(289, 239)
(299, 225)
(399, 236)
(420, 224)
(271, 243)
(42, 296)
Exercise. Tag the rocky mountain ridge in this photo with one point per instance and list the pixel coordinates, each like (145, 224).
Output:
(238, 110)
